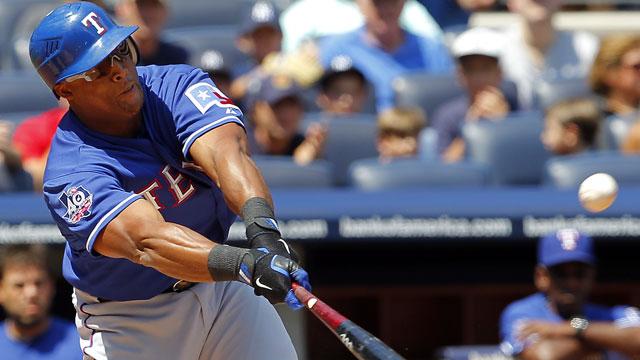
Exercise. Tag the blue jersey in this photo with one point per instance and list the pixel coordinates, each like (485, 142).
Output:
(535, 307)
(91, 177)
(59, 342)
(380, 67)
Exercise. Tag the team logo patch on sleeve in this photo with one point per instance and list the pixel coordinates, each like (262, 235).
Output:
(204, 96)
(78, 202)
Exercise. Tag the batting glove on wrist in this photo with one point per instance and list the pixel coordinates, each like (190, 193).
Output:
(264, 234)
(271, 275)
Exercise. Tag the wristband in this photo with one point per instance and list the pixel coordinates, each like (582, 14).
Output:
(224, 262)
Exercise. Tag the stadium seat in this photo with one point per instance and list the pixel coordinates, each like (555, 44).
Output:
(17, 55)
(349, 138)
(10, 15)
(282, 172)
(550, 92)
(370, 174)
(569, 171)
(197, 40)
(206, 12)
(511, 148)
(424, 90)
(471, 352)
(24, 91)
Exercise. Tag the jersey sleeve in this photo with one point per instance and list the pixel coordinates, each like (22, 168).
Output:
(511, 321)
(82, 204)
(626, 316)
(199, 106)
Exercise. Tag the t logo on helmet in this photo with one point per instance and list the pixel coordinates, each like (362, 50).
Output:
(94, 20)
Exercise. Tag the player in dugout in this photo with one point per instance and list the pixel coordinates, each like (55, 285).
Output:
(558, 322)
(145, 175)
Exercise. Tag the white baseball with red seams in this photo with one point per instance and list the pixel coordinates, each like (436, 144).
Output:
(598, 192)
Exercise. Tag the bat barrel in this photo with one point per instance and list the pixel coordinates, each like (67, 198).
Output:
(361, 343)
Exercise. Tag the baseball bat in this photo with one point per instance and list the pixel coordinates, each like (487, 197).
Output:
(361, 343)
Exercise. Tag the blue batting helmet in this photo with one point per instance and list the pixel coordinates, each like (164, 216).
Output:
(72, 39)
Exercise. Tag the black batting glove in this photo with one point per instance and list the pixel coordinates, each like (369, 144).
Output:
(268, 273)
(264, 234)
(262, 229)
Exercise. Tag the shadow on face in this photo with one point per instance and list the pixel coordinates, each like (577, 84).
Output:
(566, 285)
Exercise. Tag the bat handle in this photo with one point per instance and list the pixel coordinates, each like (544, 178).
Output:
(305, 297)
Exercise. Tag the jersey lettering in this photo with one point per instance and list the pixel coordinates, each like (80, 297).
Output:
(149, 193)
(174, 185)
(94, 20)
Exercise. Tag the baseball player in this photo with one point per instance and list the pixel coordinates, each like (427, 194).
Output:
(146, 173)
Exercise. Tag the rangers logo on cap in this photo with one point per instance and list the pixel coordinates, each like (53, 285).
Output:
(78, 202)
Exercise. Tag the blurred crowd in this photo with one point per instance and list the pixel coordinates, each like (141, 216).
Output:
(316, 78)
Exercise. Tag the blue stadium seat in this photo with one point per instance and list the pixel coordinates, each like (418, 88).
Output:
(511, 147)
(282, 172)
(349, 138)
(427, 91)
(569, 171)
(24, 91)
(471, 352)
(197, 40)
(370, 174)
(10, 18)
(17, 55)
(549, 92)
(206, 12)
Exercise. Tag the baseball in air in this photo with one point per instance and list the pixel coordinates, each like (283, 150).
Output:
(598, 192)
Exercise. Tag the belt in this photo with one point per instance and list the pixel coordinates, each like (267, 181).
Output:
(178, 287)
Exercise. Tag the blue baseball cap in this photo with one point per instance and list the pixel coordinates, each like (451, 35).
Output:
(262, 13)
(274, 88)
(565, 245)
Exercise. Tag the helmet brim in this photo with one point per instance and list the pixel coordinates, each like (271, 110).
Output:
(99, 51)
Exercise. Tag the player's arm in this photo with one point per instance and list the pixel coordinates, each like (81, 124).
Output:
(561, 338)
(556, 349)
(224, 156)
(140, 234)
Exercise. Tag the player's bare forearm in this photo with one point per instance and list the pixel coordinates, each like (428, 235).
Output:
(557, 349)
(608, 336)
(224, 156)
(140, 234)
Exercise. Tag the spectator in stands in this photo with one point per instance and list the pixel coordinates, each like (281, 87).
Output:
(536, 52)
(571, 126)
(32, 139)
(631, 143)
(26, 291)
(12, 174)
(213, 63)
(383, 50)
(615, 75)
(150, 16)
(342, 88)
(477, 52)
(558, 322)
(276, 114)
(398, 133)
(310, 20)
(452, 14)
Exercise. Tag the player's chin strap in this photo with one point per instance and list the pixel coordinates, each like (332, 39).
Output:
(262, 228)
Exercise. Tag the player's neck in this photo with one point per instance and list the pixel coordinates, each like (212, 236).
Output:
(109, 125)
(24, 333)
